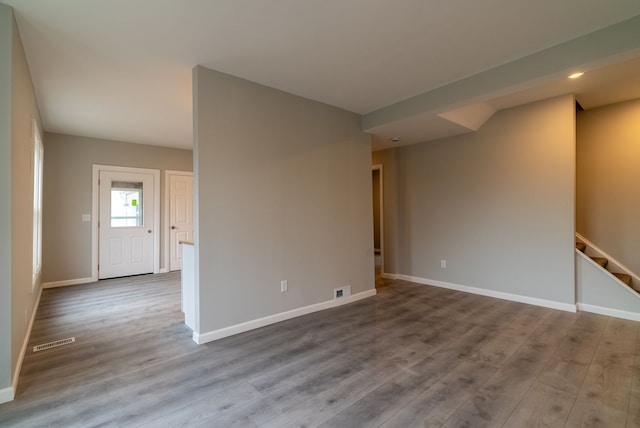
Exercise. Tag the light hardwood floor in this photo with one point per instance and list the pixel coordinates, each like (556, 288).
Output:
(412, 356)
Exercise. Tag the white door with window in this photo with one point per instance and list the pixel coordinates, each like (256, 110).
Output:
(126, 223)
(180, 215)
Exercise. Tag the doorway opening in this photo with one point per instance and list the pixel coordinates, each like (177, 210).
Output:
(378, 217)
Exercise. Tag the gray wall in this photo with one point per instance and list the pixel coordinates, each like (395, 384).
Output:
(387, 158)
(608, 173)
(6, 24)
(24, 111)
(283, 186)
(497, 204)
(68, 164)
(18, 107)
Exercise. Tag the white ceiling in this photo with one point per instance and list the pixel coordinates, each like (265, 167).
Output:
(121, 69)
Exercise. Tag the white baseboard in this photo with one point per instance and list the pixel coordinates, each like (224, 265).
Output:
(389, 275)
(25, 343)
(164, 270)
(64, 283)
(210, 336)
(616, 313)
(568, 307)
(7, 394)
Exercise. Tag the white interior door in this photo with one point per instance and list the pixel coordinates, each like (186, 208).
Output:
(180, 216)
(126, 225)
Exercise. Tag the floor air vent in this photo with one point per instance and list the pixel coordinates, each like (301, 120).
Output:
(54, 344)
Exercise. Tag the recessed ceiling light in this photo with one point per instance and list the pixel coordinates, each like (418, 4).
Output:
(395, 139)
(576, 75)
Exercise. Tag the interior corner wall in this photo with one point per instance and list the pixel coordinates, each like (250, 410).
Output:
(608, 173)
(24, 111)
(387, 158)
(497, 204)
(67, 189)
(284, 193)
(6, 37)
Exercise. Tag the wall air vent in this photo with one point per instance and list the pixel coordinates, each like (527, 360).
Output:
(342, 292)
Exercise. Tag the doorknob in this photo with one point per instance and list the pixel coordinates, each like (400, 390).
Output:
(173, 227)
(149, 231)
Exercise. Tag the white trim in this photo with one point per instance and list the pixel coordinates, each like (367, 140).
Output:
(95, 213)
(23, 351)
(210, 336)
(618, 265)
(55, 284)
(389, 275)
(7, 394)
(616, 313)
(167, 226)
(568, 307)
(37, 171)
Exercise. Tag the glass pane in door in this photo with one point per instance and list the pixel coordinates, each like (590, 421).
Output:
(126, 204)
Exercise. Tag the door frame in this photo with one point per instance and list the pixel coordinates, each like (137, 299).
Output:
(95, 213)
(378, 167)
(167, 226)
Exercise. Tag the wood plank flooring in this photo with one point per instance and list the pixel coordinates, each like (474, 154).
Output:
(412, 356)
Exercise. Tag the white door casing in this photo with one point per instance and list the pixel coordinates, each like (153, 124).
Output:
(119, 250)
(180, 201)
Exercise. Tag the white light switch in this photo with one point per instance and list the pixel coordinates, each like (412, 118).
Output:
(86, 217)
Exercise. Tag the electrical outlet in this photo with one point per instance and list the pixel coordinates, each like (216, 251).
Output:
(284, 286)
(443, 264)
(86, 217)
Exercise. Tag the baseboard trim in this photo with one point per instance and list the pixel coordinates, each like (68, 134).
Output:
(64, 283)
(210, 336)
(23, 351)
(389, 275)
(7, 394)
(616, 313)
(25, 343)
(164, 270)
(567, 307)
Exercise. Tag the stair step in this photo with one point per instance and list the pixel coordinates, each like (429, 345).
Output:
(581, 246)
(601, 261)
(627, 280)
(623, 277)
